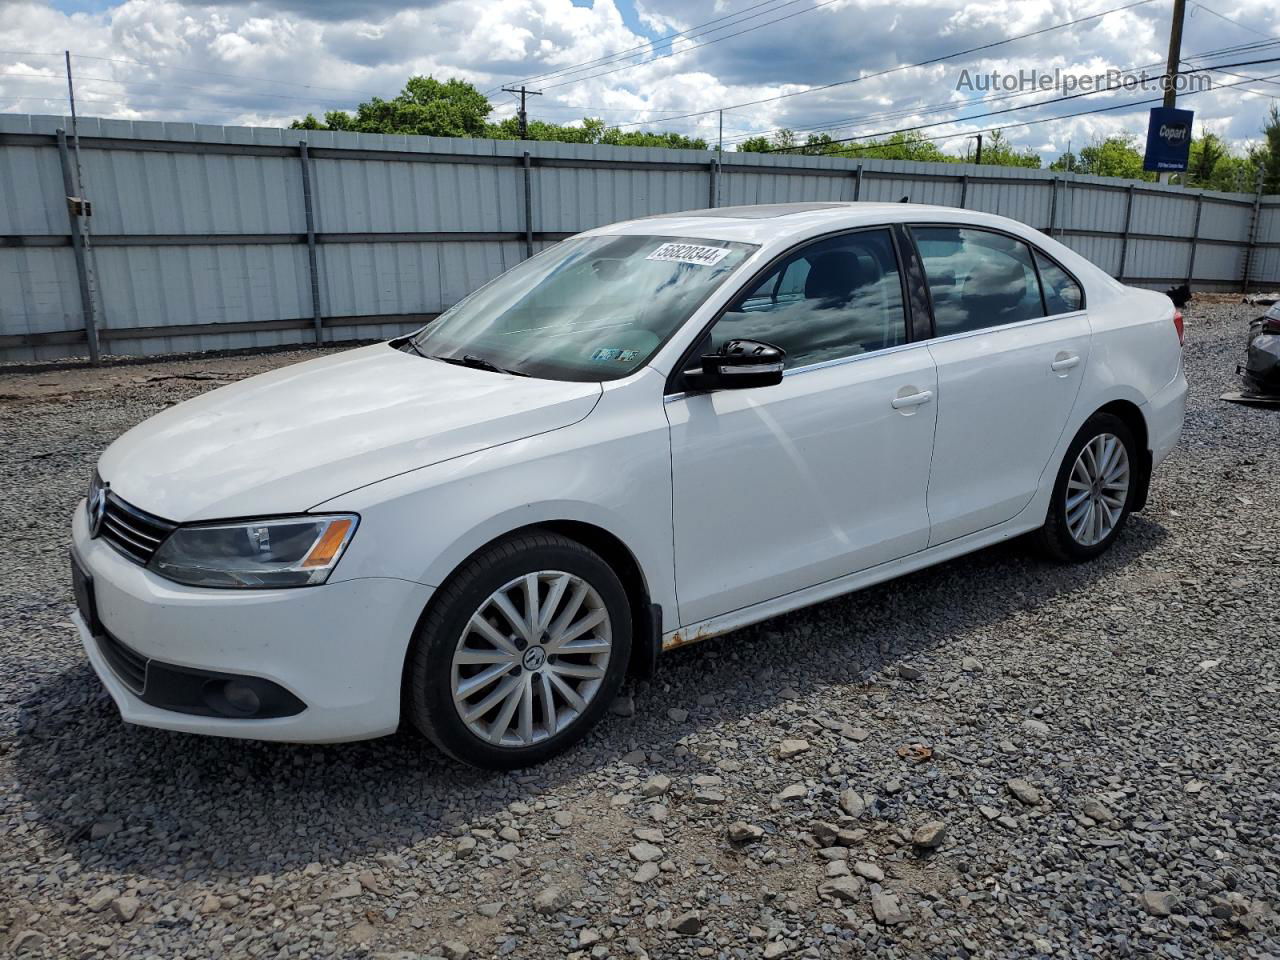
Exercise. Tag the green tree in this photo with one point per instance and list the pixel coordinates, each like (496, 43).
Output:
(592, 130)
(1115, 156)
(997, 151)
(900, 146)
(1207, 151)
(425, 107)
(1068, 161)
(455, 108)
(1268, 155)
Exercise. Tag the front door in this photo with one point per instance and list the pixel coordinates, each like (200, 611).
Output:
(784, 487)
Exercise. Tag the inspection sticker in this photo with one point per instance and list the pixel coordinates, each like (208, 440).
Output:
(612, 353)
(690, 253)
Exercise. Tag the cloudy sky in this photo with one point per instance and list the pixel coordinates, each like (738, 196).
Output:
(264, 62)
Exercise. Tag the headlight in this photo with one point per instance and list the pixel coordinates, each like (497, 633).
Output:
(296, 552)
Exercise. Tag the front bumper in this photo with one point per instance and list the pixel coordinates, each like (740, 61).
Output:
(339, 648)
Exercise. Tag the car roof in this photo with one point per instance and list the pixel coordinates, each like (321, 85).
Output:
(770, 222)
(777, 226)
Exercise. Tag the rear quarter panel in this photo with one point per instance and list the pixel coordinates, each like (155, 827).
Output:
(1135, 348)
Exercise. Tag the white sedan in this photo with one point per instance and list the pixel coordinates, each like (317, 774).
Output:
(651, 433)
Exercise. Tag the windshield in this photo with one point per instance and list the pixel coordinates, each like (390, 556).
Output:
(589, 308)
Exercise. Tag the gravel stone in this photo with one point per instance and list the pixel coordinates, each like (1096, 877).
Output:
(645, 852)
(687, 924)
(888, 909)
(125, 908)
(930, 836)
(742, 832)
(792, 748)
(1023, 791)
(1135, 693)
(656, 786)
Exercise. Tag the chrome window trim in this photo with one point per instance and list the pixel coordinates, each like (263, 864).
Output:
(965, 334)
(841, 361)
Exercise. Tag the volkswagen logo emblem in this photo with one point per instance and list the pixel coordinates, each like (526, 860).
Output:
(534, 658)
(97, 507)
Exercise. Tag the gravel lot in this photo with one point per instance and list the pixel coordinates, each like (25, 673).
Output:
(997, 757)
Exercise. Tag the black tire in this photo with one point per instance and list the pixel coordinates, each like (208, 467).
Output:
(429, 693)
(1054, 538)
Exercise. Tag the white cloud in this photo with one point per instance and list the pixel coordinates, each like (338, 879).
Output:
(285, 58)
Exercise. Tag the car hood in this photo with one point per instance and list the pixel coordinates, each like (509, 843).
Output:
(287, 440)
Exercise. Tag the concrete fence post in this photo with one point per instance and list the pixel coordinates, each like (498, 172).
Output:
(527, 163)
(77, 248)
(1124, 236)
(313, 262)
(1195, 239)
(1253, 232)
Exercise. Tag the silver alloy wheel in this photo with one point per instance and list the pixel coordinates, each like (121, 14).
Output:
(1097, 489)
(531, 658)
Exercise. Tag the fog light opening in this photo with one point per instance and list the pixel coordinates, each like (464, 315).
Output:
(233, 698)
(241, 697)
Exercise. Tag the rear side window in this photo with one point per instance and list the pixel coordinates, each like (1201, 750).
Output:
(1061, 293)
(977, 278)
(834, 298)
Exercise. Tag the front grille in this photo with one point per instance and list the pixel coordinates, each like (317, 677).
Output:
(130, 667)
(133, 532)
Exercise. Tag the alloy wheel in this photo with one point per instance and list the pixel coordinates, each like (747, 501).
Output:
(1097, 490)
(531, 658)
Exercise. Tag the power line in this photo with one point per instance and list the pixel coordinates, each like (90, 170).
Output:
(1234, 23)
(1029, 106)
(674, 53)
(909, 66)
(168, 86)
(573, 68)
(1031, 123)
(950, 105)
(208, 73)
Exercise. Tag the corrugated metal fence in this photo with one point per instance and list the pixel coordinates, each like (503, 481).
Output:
(205, 238)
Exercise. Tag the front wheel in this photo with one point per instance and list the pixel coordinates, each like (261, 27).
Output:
(520, 653)
(1094, 492)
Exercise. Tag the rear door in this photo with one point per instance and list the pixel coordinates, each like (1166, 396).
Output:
(1010, 358)
(779, 488)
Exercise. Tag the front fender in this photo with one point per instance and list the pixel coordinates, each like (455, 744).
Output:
(611, 471)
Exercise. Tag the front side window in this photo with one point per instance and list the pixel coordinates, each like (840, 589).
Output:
(587, 309)
(977, 278)
(835, 298)
(1061, 293)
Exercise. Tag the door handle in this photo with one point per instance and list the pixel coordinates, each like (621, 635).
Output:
(912, 399)
(1064, 363)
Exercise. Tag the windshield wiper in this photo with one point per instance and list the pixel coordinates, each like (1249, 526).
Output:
(476, 363)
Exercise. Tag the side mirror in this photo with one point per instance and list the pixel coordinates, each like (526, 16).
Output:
(737, 365)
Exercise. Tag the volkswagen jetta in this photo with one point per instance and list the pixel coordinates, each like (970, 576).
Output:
(651, 433)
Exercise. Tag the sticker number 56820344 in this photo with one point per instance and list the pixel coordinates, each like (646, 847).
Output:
(694, 253)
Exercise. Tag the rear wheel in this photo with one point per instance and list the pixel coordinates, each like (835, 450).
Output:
(1094, 492)
(521, 652)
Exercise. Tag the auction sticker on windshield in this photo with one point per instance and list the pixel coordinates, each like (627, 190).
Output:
(689, 253)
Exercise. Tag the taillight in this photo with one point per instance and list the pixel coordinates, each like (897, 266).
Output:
(1177, 325)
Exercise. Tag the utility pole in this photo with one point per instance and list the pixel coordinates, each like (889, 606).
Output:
(977, 159)
(1175, 57)
(720, 147)
(523, 114)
